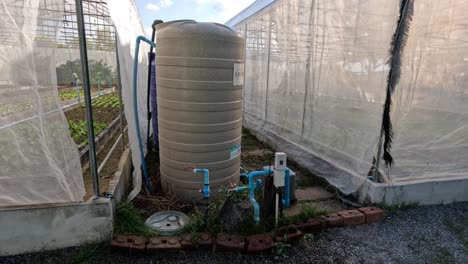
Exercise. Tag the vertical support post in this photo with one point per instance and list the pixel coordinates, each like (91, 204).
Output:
(270, 28)
(119, 80)
(245, 65)
(310, 49)
(87, 95)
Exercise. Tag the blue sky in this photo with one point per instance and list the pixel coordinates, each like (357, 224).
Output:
(201, 10)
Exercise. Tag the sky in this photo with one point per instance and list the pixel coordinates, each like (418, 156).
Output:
(201, 10)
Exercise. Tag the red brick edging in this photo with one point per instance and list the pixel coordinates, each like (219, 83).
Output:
(136, 245)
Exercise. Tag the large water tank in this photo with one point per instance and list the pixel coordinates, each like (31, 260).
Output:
(199, 71)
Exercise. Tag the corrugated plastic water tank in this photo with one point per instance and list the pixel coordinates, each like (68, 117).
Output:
(199, 71)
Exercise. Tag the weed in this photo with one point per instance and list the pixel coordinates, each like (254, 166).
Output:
(443, 256)
(458, 228)
(91, 253)
(208, 221)
(307, 211)
(308, 237)
(280, 249)
(235, 196)
(129, 221)
(397, 208)
(46, 256)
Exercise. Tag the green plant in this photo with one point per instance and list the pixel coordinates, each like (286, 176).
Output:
(69, 94)
(235, 196)
(129, 221)
(281, 248)
(307, 211)
(109, 100)
(79, 130)
(308, 237)
(397, 208)
(201, 221)
(91, 253)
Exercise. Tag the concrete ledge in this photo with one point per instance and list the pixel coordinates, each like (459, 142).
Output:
(119, 184)
(422, 192)
(44, 227)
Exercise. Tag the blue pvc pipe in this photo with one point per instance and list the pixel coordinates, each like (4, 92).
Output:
(254, 185)
(206, 187)
(135, 107)
(287, 182)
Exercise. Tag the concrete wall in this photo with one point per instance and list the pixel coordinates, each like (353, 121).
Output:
(422, 192)
(45, 227)
(51, 226)
(120, 183)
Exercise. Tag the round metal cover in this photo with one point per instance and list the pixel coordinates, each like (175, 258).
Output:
(167, 222)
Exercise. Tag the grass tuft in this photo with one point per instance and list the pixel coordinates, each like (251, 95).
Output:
(391, 209)
(129, 221)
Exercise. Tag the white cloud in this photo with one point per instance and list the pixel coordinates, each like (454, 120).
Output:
(165, 3)
(151, 6)
(157, 5)
(224, 9)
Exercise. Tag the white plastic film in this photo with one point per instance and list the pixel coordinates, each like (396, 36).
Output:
(39, 161)
(316, 82)
(430, 112)
(128, 26)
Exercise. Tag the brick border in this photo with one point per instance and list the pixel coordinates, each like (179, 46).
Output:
(252, 244)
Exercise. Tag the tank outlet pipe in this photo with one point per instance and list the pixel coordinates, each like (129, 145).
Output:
(254, 185)
(135, 107)
(206, 186)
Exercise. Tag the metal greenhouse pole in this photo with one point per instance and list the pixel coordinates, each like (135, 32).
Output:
(87, 94)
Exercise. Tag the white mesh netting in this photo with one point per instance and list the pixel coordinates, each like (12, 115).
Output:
(315, 86)
(39, 161)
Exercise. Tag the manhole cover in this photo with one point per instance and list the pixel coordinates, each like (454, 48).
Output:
(167, 222)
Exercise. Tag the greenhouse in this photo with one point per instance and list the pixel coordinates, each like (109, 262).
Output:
(293, 119)
(315, 86)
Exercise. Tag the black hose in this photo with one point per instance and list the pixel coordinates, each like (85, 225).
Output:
(148, 110)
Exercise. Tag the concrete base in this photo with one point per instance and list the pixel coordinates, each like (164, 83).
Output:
(32, 228)
(45, 227)
(422, 192)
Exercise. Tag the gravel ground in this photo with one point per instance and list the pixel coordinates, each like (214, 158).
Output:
(428, 234)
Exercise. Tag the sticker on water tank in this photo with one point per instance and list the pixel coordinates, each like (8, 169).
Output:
(238, 74)
(235, 151)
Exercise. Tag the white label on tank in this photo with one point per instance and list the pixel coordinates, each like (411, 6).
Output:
(238, 74)
(235, 151)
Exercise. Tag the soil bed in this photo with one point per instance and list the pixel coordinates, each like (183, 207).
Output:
(105, 110)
